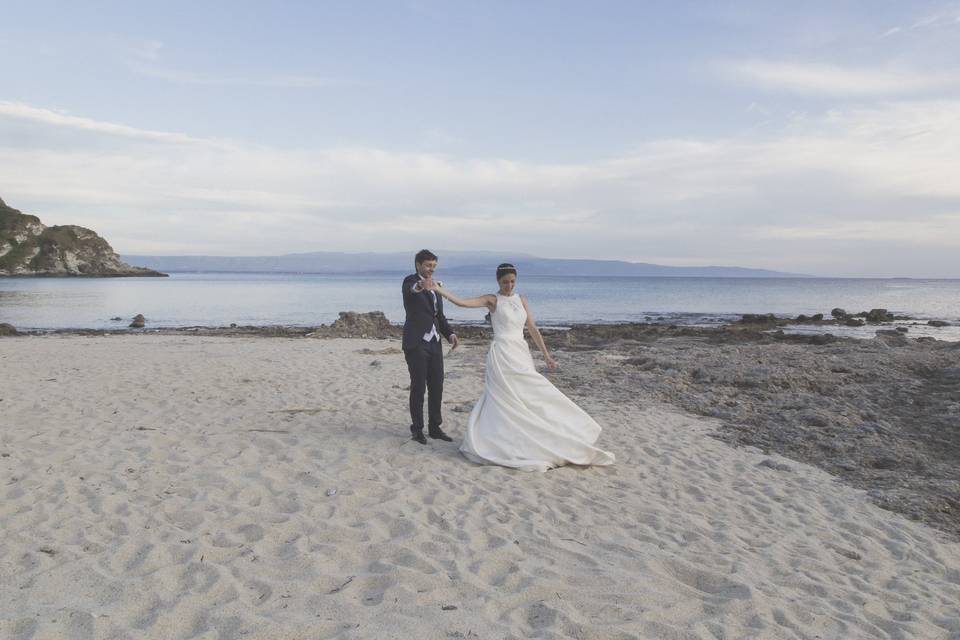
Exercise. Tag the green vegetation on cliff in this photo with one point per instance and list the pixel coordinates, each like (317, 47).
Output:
(28, 248)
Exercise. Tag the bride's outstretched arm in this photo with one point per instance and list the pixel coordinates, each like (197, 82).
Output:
(487, 301)
(537, 338)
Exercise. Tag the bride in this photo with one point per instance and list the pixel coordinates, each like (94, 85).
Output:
(521, 420)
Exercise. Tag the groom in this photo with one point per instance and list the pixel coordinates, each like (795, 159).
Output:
(422, 327)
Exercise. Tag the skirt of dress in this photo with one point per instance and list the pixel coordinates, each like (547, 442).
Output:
(522, 421)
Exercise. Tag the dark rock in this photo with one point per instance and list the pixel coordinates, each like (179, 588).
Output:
(938, 323)
(373, 324)
(8, 330)
(879, 315)
(892, 337)
(824, 338)
(875, 428)
(838, 313)
(854, 322)
(138, 321)
(817, 317)
(758, 318)
(771, 464)
(802, 318)
(116, 319)
(885, 463)
(815, 418)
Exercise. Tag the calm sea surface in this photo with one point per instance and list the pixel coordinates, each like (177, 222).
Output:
(217, 299)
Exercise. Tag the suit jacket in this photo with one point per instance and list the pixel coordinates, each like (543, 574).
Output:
(420, 314)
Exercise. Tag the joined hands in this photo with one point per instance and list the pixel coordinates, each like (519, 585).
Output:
(432, 285)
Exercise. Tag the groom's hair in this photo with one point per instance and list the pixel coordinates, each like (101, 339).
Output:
(423, 255)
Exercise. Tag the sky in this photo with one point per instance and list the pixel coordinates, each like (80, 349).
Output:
(809, 137)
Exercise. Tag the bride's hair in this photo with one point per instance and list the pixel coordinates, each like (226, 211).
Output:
(504, 269)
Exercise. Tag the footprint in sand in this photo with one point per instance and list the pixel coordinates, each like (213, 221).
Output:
(707, 582)
(375, 588)
(251, 532)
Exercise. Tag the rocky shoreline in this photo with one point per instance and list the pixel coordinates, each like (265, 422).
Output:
(839, 317)
(881, 414)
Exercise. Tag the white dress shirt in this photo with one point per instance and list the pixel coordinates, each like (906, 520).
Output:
(432, 334)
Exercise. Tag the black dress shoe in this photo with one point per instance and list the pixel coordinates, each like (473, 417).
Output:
(438, 434)
(418, 436)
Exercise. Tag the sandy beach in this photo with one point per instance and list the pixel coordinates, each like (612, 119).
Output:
(231, 486)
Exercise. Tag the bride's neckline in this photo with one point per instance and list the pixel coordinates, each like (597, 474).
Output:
(505, 296)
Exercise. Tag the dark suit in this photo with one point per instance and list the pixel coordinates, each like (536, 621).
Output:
(424, 358)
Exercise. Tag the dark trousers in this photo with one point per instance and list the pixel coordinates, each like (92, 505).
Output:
(425, 363)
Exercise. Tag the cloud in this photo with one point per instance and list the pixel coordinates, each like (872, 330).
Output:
(439, 137)
(112, 52)
(143, 57)
(834, 80)
(940, 230)
(947, 18)
(276, 81)
(147, 49)
(857, 178)
(53, 118)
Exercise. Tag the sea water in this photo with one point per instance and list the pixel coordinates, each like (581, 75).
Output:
(219, 299)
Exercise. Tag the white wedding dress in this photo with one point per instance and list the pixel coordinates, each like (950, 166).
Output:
(521, 420)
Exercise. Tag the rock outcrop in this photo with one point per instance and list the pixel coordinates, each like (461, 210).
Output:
(373, 324)
(758, 318)
(30, 248)
(8, 330)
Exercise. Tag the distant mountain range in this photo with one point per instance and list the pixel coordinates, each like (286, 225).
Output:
(451, 262)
